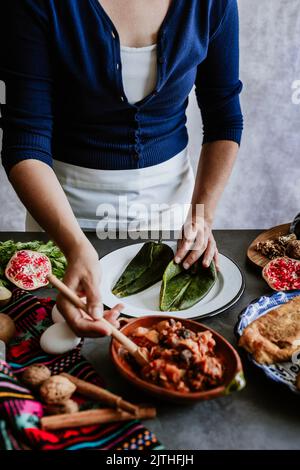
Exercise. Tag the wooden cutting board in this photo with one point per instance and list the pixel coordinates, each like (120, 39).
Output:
(255, 256)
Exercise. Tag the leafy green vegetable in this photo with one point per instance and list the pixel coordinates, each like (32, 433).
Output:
(144, 270)
(9, 248)
(181, 289)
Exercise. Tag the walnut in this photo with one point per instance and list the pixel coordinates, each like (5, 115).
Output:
(293, 249)
(275, 248)
(35, 375)
(57, 389)
(7, 328)
(286, 239)
(270, 249)
(68, 406)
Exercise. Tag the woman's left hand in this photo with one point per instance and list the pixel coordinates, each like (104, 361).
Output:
(197, 240)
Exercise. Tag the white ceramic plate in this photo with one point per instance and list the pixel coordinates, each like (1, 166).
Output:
(226, 292)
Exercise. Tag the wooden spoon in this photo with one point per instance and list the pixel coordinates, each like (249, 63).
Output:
(128, 344)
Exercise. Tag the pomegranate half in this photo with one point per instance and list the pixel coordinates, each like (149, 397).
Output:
(282, 274)
(28, 269)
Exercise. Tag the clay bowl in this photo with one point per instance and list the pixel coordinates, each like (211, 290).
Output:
(234, 378)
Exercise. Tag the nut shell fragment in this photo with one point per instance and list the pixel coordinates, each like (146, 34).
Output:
(57, 389)
(35, 375)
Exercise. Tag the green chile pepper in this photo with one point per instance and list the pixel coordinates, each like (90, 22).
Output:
(181, 289)
(144, 270)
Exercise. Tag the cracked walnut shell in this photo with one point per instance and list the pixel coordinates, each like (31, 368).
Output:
(57, 389)
(35, 375)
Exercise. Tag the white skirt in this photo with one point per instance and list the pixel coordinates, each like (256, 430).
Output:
(155, 197)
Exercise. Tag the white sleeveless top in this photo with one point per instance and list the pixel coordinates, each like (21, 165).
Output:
(139, 71)
(170, 182)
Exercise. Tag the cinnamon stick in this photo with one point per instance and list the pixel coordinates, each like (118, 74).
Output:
(98, 393)
(91, 417)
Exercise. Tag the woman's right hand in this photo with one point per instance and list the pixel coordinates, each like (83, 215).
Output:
(83, 277)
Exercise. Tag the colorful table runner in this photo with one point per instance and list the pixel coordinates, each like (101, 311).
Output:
(20, 412)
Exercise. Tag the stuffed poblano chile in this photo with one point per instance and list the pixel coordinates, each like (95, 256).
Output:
(181, 288)
(144, 270)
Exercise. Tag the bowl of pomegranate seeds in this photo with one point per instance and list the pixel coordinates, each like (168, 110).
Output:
(187, 361)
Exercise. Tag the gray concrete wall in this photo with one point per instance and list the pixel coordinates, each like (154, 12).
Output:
(264, 189)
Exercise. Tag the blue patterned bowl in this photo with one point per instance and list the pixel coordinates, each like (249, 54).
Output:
(284, 372)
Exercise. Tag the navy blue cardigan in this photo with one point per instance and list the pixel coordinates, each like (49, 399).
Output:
(60, 60)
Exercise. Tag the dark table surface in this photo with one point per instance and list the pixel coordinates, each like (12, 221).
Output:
(264, 415)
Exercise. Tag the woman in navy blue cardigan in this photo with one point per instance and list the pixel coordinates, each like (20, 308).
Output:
(68, 106)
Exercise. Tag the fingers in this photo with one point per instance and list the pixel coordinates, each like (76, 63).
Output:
(196, 248)
(93, 300)
(113, 315)
(96, 328)
(197, 251)
(83, 325)
(72, 280)
(217, 259)
(83, 277)
(191, 249)
(184, 247)
(91, 287)
(80, 323)
(189, 234)
(209, 252)
(90, 328)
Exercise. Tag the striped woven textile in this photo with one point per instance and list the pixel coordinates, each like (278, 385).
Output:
(20, 412)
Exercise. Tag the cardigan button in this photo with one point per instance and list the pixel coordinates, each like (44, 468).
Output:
(162, 60)
(113, 34)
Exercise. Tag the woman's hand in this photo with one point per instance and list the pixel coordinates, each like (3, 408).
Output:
(197, 240)
(83, 277)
